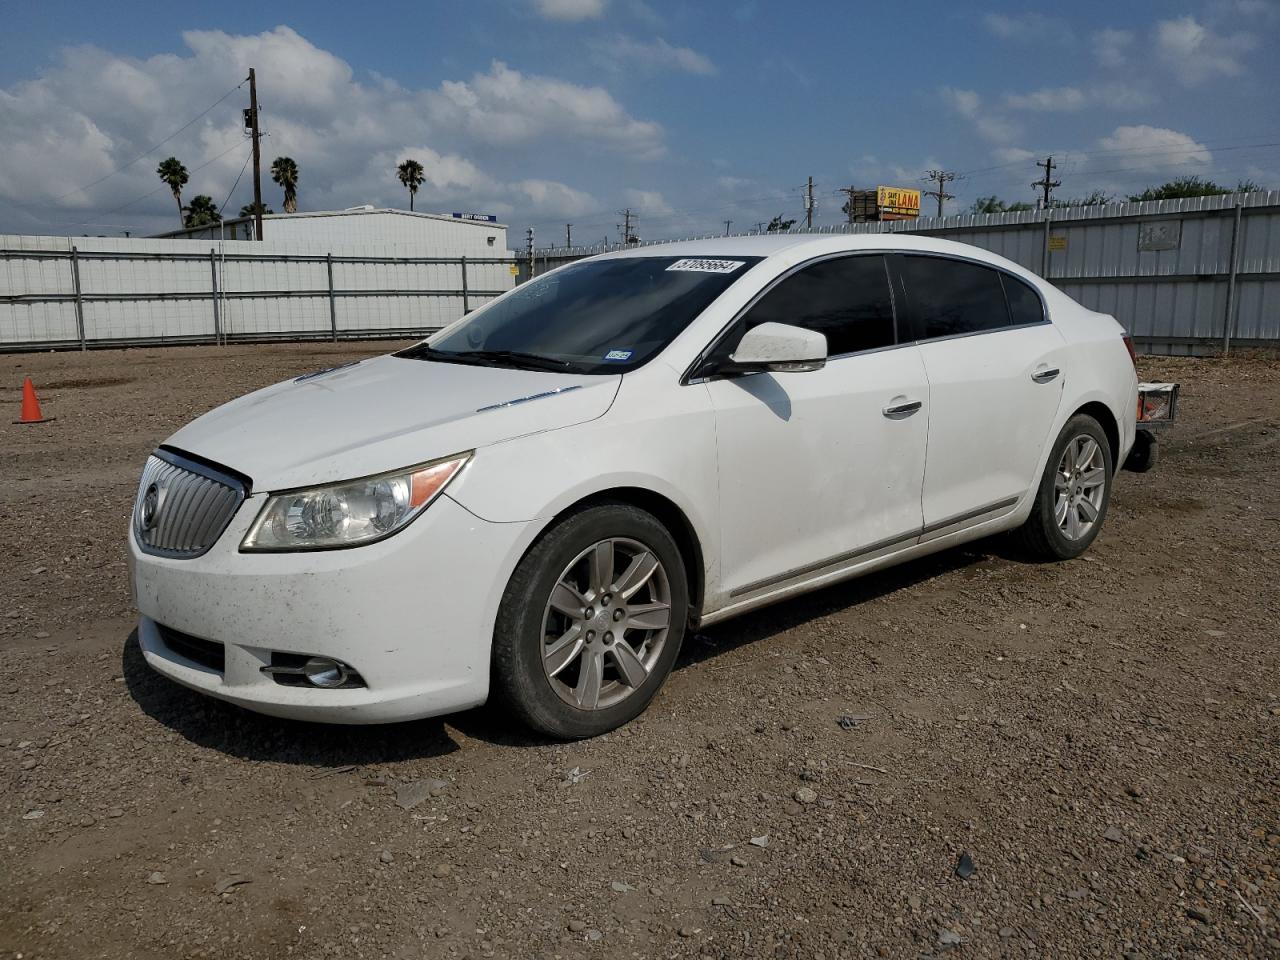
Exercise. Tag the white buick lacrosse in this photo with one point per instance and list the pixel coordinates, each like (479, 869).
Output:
(539, 502)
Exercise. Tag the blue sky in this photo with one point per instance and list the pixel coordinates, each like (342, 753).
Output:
(548, 111)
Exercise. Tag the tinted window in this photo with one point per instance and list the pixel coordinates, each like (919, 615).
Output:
(948, 297)
(846, 299)
(1024, 303)
(597, 316)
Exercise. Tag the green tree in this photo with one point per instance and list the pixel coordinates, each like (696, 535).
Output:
(285, 173)
(250, 209)
(411, 174)
(994, 204)
(1093, 199)
(778, 224)
(1192, 186)
(201, 212)
(173, 173)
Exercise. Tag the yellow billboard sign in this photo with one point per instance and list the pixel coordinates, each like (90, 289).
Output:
(898, 200)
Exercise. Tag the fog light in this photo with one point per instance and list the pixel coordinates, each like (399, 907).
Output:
(323, 672)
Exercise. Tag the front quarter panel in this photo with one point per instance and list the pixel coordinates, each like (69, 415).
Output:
(658, 436)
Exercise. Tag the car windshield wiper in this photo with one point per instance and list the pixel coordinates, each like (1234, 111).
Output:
(517, 358)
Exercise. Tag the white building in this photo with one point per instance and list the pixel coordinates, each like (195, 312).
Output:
(458, 234)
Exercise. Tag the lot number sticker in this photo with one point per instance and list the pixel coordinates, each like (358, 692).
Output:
(700, 265)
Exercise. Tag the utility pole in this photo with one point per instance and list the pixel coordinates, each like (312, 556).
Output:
(808, 205)
(941, 178)
(727, 225)
(849, 191)
(528, 249)
(1046, 183)
(568, 235)
(251, 121)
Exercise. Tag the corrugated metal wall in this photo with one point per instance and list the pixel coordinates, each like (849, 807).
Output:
(65, 291)
(1162, 268)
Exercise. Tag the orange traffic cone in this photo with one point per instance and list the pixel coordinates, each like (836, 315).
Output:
(31, 405)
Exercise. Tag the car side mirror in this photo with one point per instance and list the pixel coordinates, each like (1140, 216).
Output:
(778, 348)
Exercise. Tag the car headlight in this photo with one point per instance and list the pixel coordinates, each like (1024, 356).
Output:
(350, 513)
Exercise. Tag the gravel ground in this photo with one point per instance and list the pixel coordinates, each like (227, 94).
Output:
(1098, 740)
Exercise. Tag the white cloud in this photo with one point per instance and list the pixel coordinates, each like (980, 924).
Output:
(1013, 154)
(570, 9)
(1052, 99)
(1153, 149)
(1196, 54)
(547, 196)
(505, 106)
(1111, 47)
(1107, 96)
(93, 111)
(1027, 26)
(648, 203)
(656, 55)
(989, 124)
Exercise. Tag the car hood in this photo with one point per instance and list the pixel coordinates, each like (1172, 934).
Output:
(383, 414)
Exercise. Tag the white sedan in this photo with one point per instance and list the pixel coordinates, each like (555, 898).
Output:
(538, 503)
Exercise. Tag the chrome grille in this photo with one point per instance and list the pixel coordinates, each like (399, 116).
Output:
(183, 506)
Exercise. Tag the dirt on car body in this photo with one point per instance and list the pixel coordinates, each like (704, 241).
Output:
(965, 755)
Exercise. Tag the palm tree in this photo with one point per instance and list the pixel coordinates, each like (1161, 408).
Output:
(249, 209)
(285, 173)
(411, 175)
(201, 212)
(173, 173)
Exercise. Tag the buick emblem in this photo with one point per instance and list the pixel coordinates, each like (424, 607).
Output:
(150, 507)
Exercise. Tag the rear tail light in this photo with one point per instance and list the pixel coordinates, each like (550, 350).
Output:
(1128, 345)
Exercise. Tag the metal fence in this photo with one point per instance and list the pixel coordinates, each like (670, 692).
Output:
(1193, 276)
(58, 292)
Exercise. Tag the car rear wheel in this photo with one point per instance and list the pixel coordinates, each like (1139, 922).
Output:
(1071, 501)
(591, 622)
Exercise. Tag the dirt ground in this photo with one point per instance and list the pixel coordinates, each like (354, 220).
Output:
(1101, 738)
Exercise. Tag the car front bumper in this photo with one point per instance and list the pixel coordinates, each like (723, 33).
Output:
(413, 614)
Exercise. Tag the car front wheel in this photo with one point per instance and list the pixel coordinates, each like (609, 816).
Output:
(591, 622)
(1071, 501)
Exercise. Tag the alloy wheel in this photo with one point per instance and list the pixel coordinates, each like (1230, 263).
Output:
(606, 623)
(1079, 487)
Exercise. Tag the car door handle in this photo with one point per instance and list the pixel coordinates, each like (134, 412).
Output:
(903, 409)
(1045, 374)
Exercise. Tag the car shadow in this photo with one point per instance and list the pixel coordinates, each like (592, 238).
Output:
(788, 614)
(232, 730)
(241, 733)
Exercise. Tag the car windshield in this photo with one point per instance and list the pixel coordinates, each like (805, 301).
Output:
(597, 316)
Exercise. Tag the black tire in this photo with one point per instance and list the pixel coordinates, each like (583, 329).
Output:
(1145, 453)
(519, 680)
(1040, 537)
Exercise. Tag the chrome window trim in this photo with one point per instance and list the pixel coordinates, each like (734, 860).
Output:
(1002, 272)
(687, 378)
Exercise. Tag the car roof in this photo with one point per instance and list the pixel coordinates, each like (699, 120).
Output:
(768, 245)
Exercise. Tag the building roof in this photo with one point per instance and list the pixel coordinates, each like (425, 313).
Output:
(365, 210)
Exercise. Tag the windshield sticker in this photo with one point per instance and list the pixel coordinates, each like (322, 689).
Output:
(619, 356)
(702, 265)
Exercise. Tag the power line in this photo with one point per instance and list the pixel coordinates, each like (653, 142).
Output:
(151, 148)
(942, 178)
(1046, 183)
(150, 193)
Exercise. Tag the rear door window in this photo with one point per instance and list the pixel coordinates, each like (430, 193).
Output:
(1025, 305)
(846, 298)
(951, 297)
